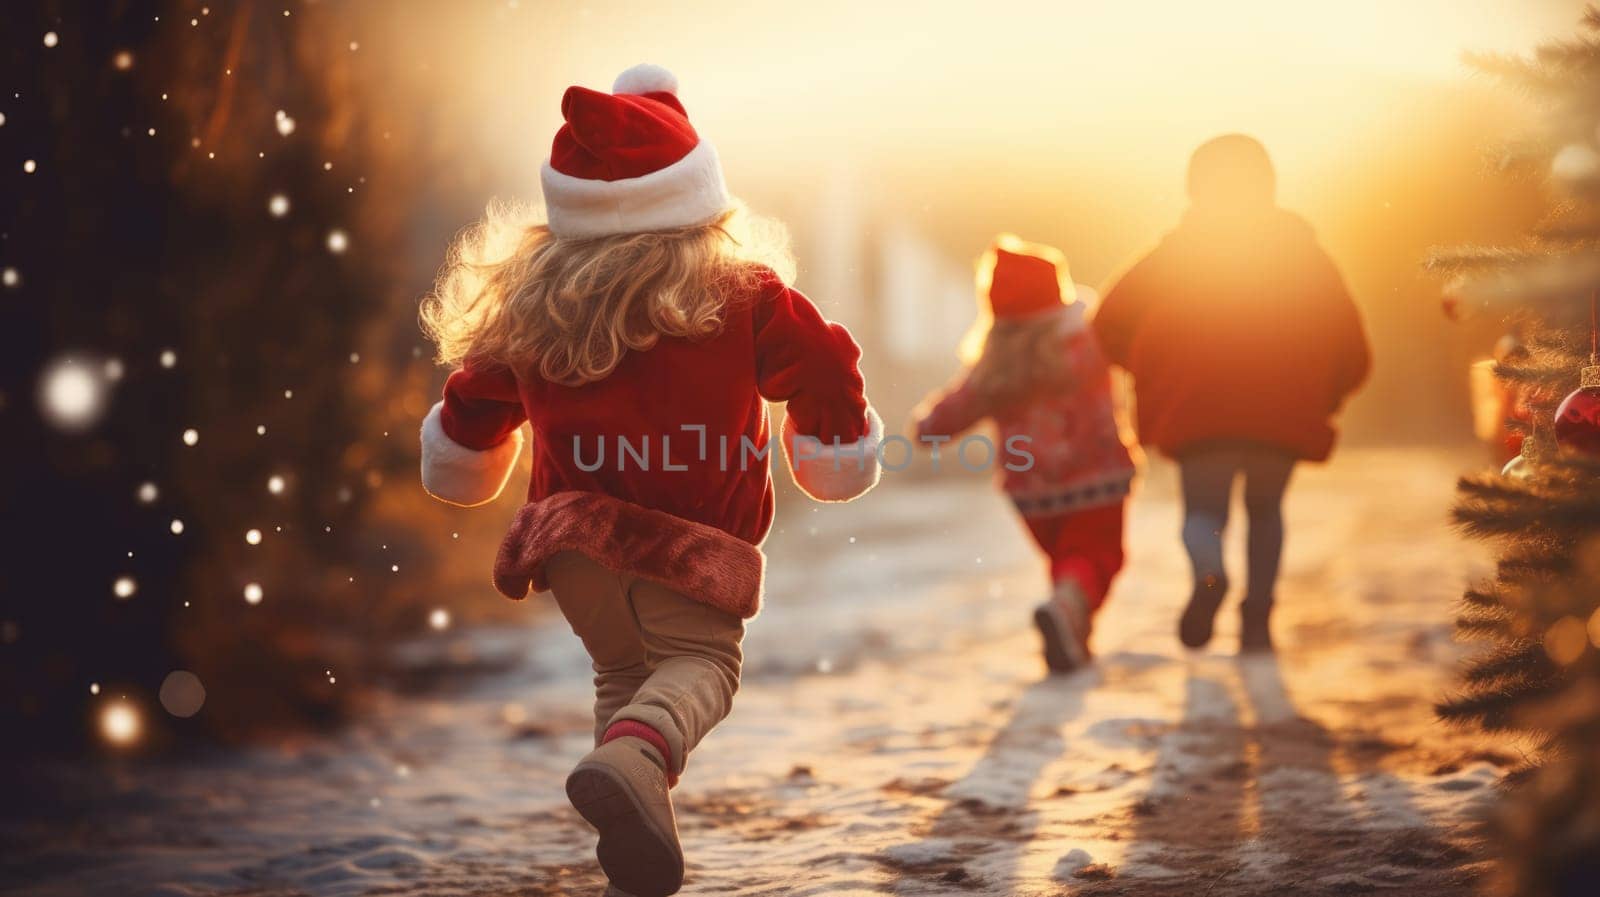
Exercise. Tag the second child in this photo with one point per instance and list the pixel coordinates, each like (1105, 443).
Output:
(1037, 372)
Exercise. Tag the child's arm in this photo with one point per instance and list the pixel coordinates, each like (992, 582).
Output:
(1353, 357)
(949, 412)
(830, 433)
(1116, 322)
(471, 440)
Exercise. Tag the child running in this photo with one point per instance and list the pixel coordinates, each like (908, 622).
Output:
(1243, 344)
(1036, 370)
(639, 332)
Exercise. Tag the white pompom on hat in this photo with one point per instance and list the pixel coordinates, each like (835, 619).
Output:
(646, 77)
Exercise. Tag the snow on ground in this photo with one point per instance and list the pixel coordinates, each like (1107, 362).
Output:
(896, 734)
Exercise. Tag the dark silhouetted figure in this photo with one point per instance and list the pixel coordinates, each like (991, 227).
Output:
(1243, 344)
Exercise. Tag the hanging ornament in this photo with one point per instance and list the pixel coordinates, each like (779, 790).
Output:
(1575, 166)
(1577, 421)
(1535, 448)
(1578, 415)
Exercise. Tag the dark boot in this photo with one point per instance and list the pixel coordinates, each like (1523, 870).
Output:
(1200, 617)
(1255, 629)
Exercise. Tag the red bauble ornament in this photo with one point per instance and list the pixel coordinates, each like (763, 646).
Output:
(1578, 416)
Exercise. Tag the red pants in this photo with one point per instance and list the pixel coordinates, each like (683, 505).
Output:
(1083, 545)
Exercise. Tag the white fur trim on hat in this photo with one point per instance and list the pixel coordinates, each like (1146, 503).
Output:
(838, 472)
(646, 78)
(689, 191)
(453, 473)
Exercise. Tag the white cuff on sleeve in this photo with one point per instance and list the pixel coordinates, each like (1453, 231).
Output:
(453, 473)
(838, 472)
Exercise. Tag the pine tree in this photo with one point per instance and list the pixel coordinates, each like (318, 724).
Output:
(187, 239)
(1540, 613)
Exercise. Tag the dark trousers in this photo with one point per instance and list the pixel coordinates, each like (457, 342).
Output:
(1208, 477)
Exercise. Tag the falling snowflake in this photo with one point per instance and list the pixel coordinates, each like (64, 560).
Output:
(278, 205)
(113, 369)
(252, 536)
(191, 437)
(275, 484)
(123, 60)
(71, 396)
(124, 587)
(439, 619)
(169, 358)
(10, 277)
(51, 39)
(338, 241)
(253, 593)
(285, 123)
(176, 526)
(119, 723)
(148, 493)
(29, 166)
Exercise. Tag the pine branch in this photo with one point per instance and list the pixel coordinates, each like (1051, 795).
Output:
(1565, 59)
(1482, 623)
(1486, 597)
(1470, 259)
(1532, 563)
(1496, 708)
(1517, 71)
(1508, 662)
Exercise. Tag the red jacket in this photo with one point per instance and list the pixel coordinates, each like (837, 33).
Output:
(1078, 459)
(660, 469)
(1236, 329)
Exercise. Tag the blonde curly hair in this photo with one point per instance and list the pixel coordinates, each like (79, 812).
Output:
(513, 293)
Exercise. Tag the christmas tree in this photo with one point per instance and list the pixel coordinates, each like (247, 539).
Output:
(192, 270)
(1540, 613)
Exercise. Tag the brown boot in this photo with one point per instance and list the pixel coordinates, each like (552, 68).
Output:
(621, 789)
(1063, 623)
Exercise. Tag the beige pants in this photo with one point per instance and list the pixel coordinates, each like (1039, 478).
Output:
(659, 658)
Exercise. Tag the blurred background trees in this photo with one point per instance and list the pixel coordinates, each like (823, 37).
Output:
(203, 253)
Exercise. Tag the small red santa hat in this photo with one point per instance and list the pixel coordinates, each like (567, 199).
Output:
(629, 161)
(1021, 279)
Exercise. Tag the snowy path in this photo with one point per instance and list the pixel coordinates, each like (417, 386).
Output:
(896, 735)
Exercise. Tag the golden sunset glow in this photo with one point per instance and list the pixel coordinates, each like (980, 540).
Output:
(1123, 90)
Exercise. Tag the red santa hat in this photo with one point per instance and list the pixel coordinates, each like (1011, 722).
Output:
(629, 161)
(1021, 279)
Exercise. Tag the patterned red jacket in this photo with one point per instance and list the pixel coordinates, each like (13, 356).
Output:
(1078, 459)
(661, 468)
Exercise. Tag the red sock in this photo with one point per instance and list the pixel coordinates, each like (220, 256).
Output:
(632, 728)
